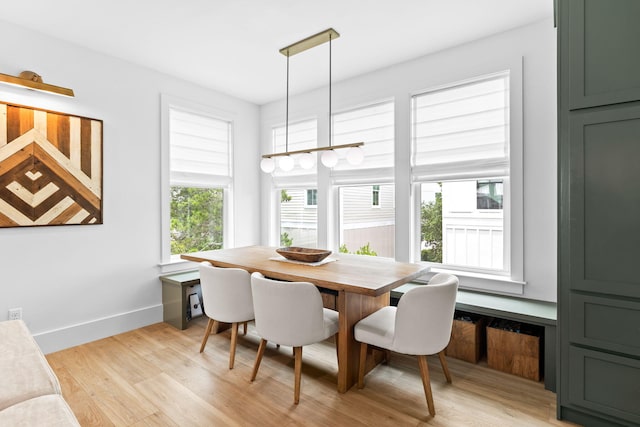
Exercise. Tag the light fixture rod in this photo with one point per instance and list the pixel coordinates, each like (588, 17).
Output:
(330, 117)
(310, 42)
(311, 150)
(286, 131)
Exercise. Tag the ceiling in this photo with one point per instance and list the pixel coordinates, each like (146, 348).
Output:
(232, 45)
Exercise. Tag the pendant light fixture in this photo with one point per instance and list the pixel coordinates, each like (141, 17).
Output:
(306, 159)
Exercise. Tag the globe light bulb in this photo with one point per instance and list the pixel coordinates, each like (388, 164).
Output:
(355, 155)
(286, 163)
(267, 165)
(329, 158)
(306, 160)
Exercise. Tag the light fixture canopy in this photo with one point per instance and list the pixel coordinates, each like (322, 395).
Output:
(329, 157)
(32, 80)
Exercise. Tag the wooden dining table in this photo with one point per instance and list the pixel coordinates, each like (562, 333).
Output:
(362, 284)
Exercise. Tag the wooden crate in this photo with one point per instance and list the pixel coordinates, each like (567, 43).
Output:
(514, 352)
(467, 339)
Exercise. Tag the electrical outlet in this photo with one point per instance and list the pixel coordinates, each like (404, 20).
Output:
(15, 313)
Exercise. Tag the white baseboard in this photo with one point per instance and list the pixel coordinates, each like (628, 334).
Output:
(82, 333)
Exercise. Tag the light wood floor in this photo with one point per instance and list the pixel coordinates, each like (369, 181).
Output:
(155, 376)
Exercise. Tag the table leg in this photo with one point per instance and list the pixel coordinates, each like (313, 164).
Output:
(351, 308)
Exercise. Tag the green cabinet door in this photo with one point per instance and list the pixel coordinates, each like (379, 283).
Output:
(605, 199)
(604, 38)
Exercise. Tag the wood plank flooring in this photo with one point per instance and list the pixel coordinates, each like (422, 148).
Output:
(155, 376)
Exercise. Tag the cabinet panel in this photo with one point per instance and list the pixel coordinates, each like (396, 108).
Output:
(599, 211)
(605, 201)
(603, 37)
(606, 323)
(605, 383)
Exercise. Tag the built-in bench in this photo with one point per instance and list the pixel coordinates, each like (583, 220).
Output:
(534, 312)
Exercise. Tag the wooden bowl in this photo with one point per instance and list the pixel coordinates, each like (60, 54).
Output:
(303, 254)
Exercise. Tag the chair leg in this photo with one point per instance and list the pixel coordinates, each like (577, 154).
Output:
(363, 362)
(207, 332)
(445, 367)
(245, 328)
(426, 383)
(297, 351)
(234, 341)
(387, 356)
(256, 365)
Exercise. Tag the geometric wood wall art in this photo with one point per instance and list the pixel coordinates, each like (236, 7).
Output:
(50, 168)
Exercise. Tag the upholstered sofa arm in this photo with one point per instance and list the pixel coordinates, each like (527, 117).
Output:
(28, 384)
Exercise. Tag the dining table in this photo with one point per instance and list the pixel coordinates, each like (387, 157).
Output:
(362, 284)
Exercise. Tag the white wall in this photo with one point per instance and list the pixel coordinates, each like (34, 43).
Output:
(81, 283)
(536, 45)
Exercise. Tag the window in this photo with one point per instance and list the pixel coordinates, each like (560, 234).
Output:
(454, 231)
(312, 198)
(366, 229)
(295, 189)
(366, 194)
(489, 194)
(375, 196)
(199, 179)
(298, 224)
(460, 162)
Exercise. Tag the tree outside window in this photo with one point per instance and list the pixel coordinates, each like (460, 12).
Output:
(431, 227)
(196, 219)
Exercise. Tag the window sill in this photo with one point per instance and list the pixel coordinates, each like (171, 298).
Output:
(176, 264)
(480, 282)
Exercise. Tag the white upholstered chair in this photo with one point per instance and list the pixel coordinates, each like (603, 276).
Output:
(226, 297)
(420, 325)
(290, 313)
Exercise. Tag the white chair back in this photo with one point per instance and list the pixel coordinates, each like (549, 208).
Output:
(226, 293)
(425, 316)
(287, 313)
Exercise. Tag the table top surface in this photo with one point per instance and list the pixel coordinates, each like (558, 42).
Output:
(367, 275)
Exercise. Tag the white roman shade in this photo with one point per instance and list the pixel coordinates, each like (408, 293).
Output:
(372, 125)
(462, 131)
(200, 150)
(302, 135)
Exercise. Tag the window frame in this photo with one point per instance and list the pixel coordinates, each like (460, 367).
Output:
(167, 103)
(511, 280)
(338, 179)
(304, 180)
